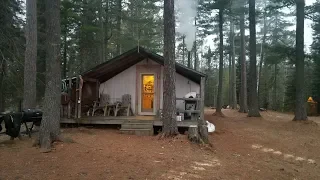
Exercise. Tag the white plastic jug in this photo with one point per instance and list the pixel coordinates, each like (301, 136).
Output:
(211, 127)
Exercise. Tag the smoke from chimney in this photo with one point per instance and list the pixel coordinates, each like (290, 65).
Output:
(187, 11)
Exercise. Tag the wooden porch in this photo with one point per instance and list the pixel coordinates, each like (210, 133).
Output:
(119, 120)
(139, 125)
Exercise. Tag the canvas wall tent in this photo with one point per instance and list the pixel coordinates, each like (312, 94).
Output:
(138, 73)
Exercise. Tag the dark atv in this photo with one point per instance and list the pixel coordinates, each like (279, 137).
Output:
(14, 120)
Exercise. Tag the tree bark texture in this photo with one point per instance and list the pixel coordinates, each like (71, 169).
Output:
(233, 69)
(199, 134)
(50, 124)
(183, 50)
(300, 108)
(196, 63)
(102, 33)
(219, 98)
(202, 127)
(275, 100)
(119, 11)
(193, 134)
(30, 63)
(169, 93)
(230, 70)
(3, 72)
(41, 60)
(253, 94)
(189, 59)
(106, 29)
(243, 89)
(65, 49)
(262, 56)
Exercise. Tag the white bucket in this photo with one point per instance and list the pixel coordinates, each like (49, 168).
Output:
(211, 127)
(182, 116)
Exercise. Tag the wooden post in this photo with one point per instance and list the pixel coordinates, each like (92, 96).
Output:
(202, 92)
(193, 134)
(98, 86)
(80, 96)
(202, 127)
(70, 95)
(76, 100)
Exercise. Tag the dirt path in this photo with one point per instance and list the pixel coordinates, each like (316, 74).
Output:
(272, 147)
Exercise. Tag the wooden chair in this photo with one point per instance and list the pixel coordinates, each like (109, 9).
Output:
(102, 104)
(124, 105)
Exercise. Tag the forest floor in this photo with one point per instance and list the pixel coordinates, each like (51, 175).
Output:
(271, 147)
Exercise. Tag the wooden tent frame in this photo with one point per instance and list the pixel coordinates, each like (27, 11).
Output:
(80, 81)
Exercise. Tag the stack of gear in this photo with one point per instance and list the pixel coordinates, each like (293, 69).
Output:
(12, 123)
(14, 120)
(32, 115)
(190, 105)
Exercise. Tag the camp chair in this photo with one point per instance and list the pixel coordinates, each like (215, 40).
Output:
(124, 105)
(102, 104)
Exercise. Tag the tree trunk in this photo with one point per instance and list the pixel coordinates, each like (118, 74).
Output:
(262, 55)
(202, 127)
(243, 88)
(107, 30)
(189, 59)
(102, 34)
(275, 101)
(266, 88)
(230, 68)
(83, 38)
(233, 69)
(30, 63)
(169, 91)
(300, 109)
(65, 47)
(253, 95)
(50, 124)
(41, 60)
(193, 134)
(3, 71)
(219, 98)
(119, 11)
(183, 50)
(195, 46)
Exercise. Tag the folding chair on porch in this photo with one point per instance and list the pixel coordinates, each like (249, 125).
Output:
(102, 104)
(124, 105)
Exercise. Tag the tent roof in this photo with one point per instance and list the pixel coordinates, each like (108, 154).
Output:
(111, 68)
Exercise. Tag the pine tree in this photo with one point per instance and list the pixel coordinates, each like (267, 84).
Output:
(316, 51)
(41, 60)
(50, 124)
(30, 63)
(233, 68)
(243, 88)
(169, 96)
(219, 97)
(253, 95)
(11, 54)
(118, 27)
(209, 96)
(300, 109)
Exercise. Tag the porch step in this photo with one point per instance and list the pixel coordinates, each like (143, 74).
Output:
(139, 121)
(137, 128)
(138, 132)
